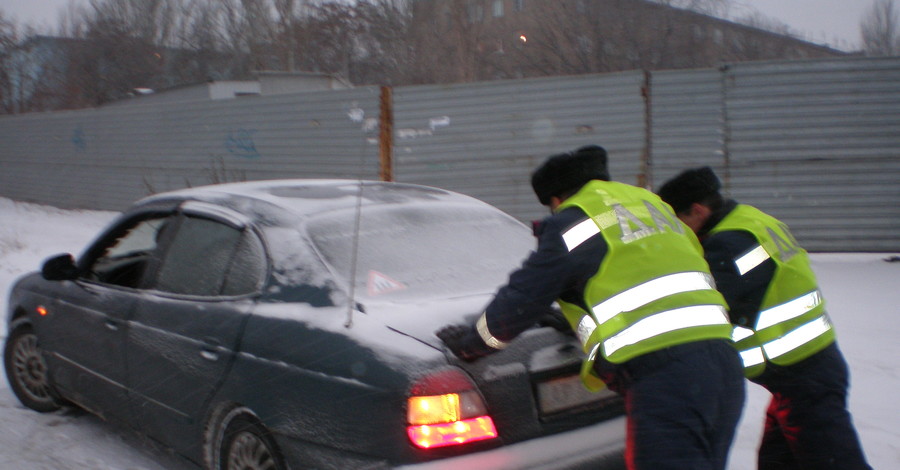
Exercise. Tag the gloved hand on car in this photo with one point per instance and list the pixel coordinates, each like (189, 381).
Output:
(464, 342)
(555, 319)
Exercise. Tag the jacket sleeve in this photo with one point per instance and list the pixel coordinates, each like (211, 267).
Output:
(549, 273)
(744, 293)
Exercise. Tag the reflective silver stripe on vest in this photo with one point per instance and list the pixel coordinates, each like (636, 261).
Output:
(788, 310)
(751, 259)
(664, 322)
(577, 234)
(752, 357)
(650, 291)
(586, 326)
(593, 354)
(482, 328)
(798, 337)
(740, 332)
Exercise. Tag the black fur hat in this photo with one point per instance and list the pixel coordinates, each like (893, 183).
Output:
(567, 172)
(694, 185)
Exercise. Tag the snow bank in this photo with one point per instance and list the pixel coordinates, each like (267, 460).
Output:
(861, 292)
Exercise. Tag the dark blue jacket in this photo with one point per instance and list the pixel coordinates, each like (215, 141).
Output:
(551, 272)
(744, 294)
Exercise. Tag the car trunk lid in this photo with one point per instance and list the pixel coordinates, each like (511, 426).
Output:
(532, 387)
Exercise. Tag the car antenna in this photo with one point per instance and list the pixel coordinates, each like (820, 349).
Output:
(357, 114)
(354, 251)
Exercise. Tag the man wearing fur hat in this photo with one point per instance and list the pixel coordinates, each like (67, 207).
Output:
(782, 331)
(632, 284)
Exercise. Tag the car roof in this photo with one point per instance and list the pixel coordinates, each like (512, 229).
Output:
(306, 197)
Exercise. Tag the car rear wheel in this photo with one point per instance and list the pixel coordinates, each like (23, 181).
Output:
(245, 444)
(26, 371)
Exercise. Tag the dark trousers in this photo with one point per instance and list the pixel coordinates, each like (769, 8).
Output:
(808, 425)
(683, 406)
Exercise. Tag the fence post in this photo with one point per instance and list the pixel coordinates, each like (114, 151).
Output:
(724, 70)
(644, 177)
(386, 135)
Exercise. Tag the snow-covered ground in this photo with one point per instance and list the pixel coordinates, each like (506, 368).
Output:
(862, 291)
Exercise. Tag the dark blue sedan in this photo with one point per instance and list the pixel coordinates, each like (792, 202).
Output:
(290, 324)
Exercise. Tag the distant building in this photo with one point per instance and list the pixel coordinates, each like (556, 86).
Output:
(268, 83)
(36, 77)
(527, 38)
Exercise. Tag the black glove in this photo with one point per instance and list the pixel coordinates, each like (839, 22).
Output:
(555, 319)
(463, 342)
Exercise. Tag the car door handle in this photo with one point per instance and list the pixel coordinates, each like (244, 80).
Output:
(209, 354)
(209, 350)
(112, 325)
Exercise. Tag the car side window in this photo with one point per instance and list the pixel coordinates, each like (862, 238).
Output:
(126, 257)
(209, 258)
(248, 266)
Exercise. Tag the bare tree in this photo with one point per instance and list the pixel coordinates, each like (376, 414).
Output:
(285, 13)
(449, 41)
(382, 52)
(8, 46)
(767, 23)
(120, 45)
(574, 37)
(199, 43)
(880, 29)
(29, 78)
(710, 7)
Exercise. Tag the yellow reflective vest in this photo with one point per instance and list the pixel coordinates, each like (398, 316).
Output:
(792, 324)
(653, 289)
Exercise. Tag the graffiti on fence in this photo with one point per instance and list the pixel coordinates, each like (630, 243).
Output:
(78, 139)
(240, 143)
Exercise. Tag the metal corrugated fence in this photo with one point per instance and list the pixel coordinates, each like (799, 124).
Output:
(816, 143)
(819, 147)
(106, 158)
(687, 122)
(485, 139)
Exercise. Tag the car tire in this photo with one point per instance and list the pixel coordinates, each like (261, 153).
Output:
(26, 371)
(244, 444)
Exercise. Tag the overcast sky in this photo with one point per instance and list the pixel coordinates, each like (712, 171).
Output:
(831, 22)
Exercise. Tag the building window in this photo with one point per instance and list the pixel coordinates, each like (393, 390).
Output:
(519, 5)
(498, 8)
(697, 32)
(475, 11)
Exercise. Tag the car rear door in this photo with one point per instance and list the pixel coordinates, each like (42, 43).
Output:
(182, 336)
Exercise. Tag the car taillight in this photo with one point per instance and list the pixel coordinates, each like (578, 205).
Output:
(444, 409)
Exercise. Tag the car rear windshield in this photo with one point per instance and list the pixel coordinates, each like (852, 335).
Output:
(422, 251)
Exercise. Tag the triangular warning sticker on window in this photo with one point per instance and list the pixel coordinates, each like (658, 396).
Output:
(379, 284)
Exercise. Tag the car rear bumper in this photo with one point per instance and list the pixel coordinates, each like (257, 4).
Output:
(597, 447)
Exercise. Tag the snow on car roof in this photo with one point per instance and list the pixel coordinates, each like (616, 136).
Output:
(310, 196)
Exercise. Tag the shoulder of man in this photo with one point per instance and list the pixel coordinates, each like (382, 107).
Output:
(556, 224)
(729, 241)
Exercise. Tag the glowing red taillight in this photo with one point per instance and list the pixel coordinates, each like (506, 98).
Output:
(445, 409)
(427, 436)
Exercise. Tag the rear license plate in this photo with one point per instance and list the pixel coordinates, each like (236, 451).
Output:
(564, 393)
